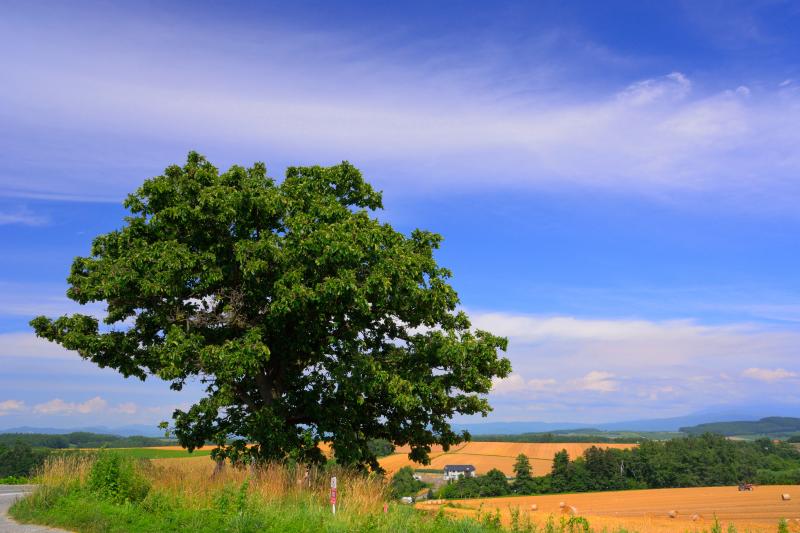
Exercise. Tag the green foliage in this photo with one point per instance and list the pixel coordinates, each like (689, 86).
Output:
(523, 476)
(152, 453)
(306, 318)
(698, 461)
(20, 460)
(14, 480)
(493, 483)
(81, 510)
(380, 447)
(118, 478)
(565, 437)
(80, 439)
(404, 484)
(783, 526)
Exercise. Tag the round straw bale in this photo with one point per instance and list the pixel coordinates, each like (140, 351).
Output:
(786, 496)
(695, 517)
(673, 514)
(534, 507)
(562, 504)
(570, 510)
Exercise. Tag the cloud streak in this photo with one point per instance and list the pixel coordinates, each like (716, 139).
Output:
(639, 367)
(437, 128)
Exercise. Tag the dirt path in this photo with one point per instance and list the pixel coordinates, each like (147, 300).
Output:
(8, 495)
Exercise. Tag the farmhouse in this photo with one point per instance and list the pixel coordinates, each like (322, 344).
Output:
(457, 471)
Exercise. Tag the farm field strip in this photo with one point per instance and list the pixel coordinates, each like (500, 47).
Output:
(647, 510)
(485, 456)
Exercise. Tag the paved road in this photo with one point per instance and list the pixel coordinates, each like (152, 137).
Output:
(8, 495)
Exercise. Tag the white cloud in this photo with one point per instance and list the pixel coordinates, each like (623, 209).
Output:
(93, 406)
(32, 299)
(22, 217)
(127, 408)
(515, 383)
(674, 86)
(596, 381)
(572, 367)
(641, 344)
(435, 126)
(58, 406)
(765, 374)
(28, 345)
(10, 406)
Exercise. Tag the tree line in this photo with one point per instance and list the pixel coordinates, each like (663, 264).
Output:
(695, 461)
(556, 437)
(80, 439)
(19, 460)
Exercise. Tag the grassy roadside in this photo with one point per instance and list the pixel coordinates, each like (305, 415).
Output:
(113, 492)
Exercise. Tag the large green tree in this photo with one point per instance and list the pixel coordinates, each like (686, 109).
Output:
(306, 319)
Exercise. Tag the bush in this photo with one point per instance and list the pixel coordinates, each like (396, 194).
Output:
(20, 460)
(118, 478)
(404, 484)
(13, 480)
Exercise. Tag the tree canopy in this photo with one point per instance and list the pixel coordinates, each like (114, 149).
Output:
(305, 318)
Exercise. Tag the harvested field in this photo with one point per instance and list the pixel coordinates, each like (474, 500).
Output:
(647, 511)
(501, 455)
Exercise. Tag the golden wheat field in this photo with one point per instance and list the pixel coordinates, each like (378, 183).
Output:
(482, 455)
(647, 511)
(501, 455)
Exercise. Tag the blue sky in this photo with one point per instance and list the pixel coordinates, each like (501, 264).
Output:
(617, 182)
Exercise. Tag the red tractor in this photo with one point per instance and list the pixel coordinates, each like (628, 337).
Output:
(745, 486)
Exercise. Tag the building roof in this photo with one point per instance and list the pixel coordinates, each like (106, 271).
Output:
(459, 468)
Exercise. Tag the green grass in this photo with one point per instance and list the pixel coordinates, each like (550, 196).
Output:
(150, 453)
(83, 512)
(14, 480)
(113, 493)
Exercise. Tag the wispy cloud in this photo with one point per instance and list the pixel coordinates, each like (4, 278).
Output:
(58, 406)
(33, 299)
(436, 123)
(27, 345)
(766, 374)
(11, 406)
(22, 217)
(639, 366)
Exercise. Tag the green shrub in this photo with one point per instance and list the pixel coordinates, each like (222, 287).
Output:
(20, 460)
(118, 478)
(404, 484)
(13, 480)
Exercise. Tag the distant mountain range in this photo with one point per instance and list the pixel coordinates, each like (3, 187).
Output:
(771, 425)
(715, 419)
(719, 414)
(142, 430)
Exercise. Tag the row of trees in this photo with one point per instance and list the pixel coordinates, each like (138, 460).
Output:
(79, 439)
(556, 437)
(697, 461)
(20, 460)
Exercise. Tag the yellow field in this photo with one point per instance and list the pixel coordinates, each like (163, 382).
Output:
(647, 511)
(501, 455)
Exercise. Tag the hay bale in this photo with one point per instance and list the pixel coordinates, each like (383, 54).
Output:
(786, 496)
(534, 507)
(569, 510)
(673, 514)
(562, 505)
(695, 517)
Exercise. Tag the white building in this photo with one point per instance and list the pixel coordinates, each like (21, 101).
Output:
(458, 471)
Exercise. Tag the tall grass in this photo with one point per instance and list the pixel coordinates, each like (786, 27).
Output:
(107, 492)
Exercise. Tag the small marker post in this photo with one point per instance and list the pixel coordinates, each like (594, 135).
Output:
(333, 494)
